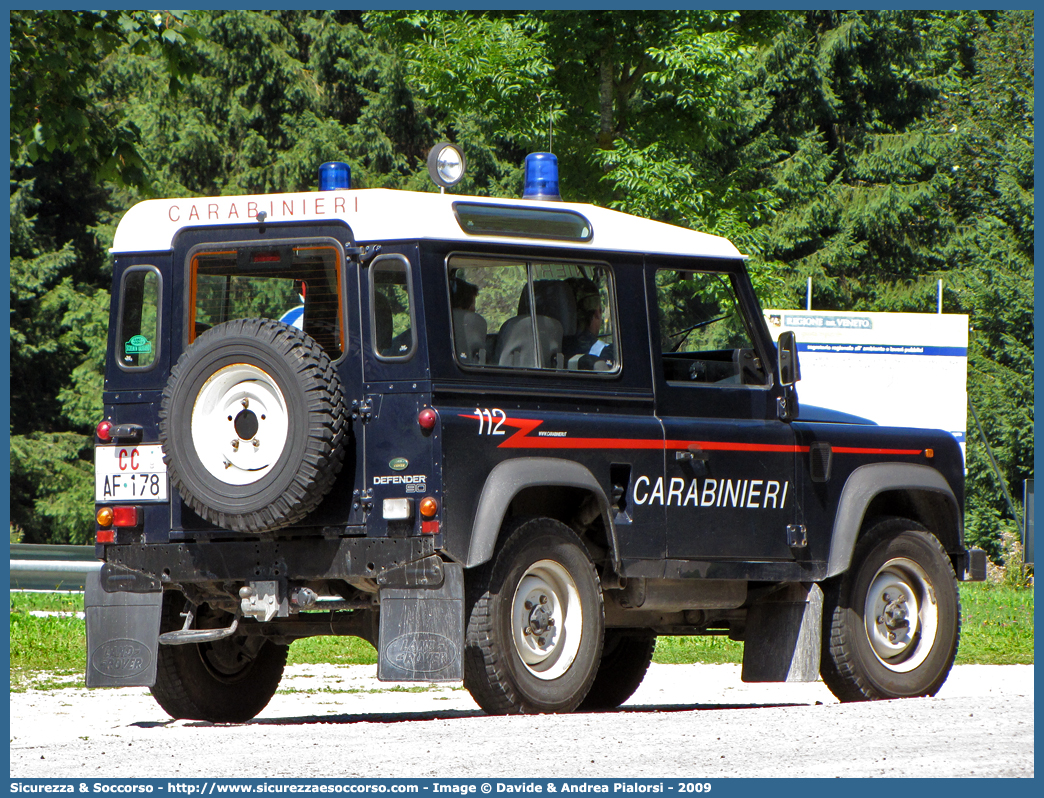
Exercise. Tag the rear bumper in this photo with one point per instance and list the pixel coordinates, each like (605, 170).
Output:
(304, 559)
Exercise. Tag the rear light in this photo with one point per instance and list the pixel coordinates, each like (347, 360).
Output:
(126, 516)
(428, 507)
(427, 418)
(118, 516)
(104, 430)
(429, 527)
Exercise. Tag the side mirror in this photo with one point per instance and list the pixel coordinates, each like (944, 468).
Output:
(789, 369)
(789, 373)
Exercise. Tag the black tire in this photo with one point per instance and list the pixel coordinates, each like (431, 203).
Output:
(542, 557)
(626, 654)
(253, 472)
(227, 681)
(883, 634)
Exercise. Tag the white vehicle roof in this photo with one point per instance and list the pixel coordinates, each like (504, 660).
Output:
(389, 215)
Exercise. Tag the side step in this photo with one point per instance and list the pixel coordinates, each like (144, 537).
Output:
(181, 637)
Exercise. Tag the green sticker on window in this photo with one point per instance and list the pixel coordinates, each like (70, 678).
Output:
(138, 345)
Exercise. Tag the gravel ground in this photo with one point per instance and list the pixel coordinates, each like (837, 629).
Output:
(691, 721)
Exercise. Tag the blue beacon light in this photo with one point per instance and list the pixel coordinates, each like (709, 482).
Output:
(335, 176)
(540, 180)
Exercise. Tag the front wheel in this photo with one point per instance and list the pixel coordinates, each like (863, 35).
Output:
(535, 623)
(892, 622)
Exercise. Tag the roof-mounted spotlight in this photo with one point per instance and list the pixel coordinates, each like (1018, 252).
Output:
(446, 164)
(540, 177)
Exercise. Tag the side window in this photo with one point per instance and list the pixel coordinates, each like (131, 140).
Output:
(494, 324)
(391, 292)
(137, 338)
(703, 336)
(295, 283)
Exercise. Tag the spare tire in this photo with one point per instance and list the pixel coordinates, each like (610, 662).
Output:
(253, 425)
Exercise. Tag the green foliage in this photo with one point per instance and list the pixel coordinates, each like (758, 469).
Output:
(334, 650)
(55, 61)
(71, 147)
(46, 647)
(997, 627)
(26, 602)
(52, 476)
(906, 152)
(687, 650)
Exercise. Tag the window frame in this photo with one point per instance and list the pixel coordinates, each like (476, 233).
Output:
(752, 337)
(218, 247)
(140, 267)
(371, 269)
(528, 261)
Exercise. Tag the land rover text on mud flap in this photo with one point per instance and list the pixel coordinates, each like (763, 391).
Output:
(505, 441)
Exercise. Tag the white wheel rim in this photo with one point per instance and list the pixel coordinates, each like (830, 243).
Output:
(546, 619)
(239, 424)
(901, 615)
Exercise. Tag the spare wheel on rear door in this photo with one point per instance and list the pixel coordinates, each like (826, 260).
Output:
(253, 425)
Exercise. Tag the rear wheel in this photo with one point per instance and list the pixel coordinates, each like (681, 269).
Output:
(535, 623)
(892, 622)
(227, 681)
(626, 654)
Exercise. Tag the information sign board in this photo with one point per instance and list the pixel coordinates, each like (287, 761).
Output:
(896, 369)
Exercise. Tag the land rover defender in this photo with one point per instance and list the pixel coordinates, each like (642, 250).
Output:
(506, 441)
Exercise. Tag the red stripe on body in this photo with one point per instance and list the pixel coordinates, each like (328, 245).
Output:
(523, 439)
(856, 450)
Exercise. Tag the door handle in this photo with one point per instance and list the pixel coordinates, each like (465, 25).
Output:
(693, 452)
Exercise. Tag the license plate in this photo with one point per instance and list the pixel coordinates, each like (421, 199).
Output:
(130, 473)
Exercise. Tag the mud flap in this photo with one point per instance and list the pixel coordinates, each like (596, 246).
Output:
(123, 623)
(783, 638)
(421, 636)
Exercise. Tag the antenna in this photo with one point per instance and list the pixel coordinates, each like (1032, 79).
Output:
(550, 122)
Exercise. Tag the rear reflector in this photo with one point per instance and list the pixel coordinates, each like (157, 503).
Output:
(106, 535)
(430, 527)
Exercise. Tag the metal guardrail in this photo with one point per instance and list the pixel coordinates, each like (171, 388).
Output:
(46, 568)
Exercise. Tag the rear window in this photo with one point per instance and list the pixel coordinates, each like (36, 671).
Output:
(138, 333)
(297, 283)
